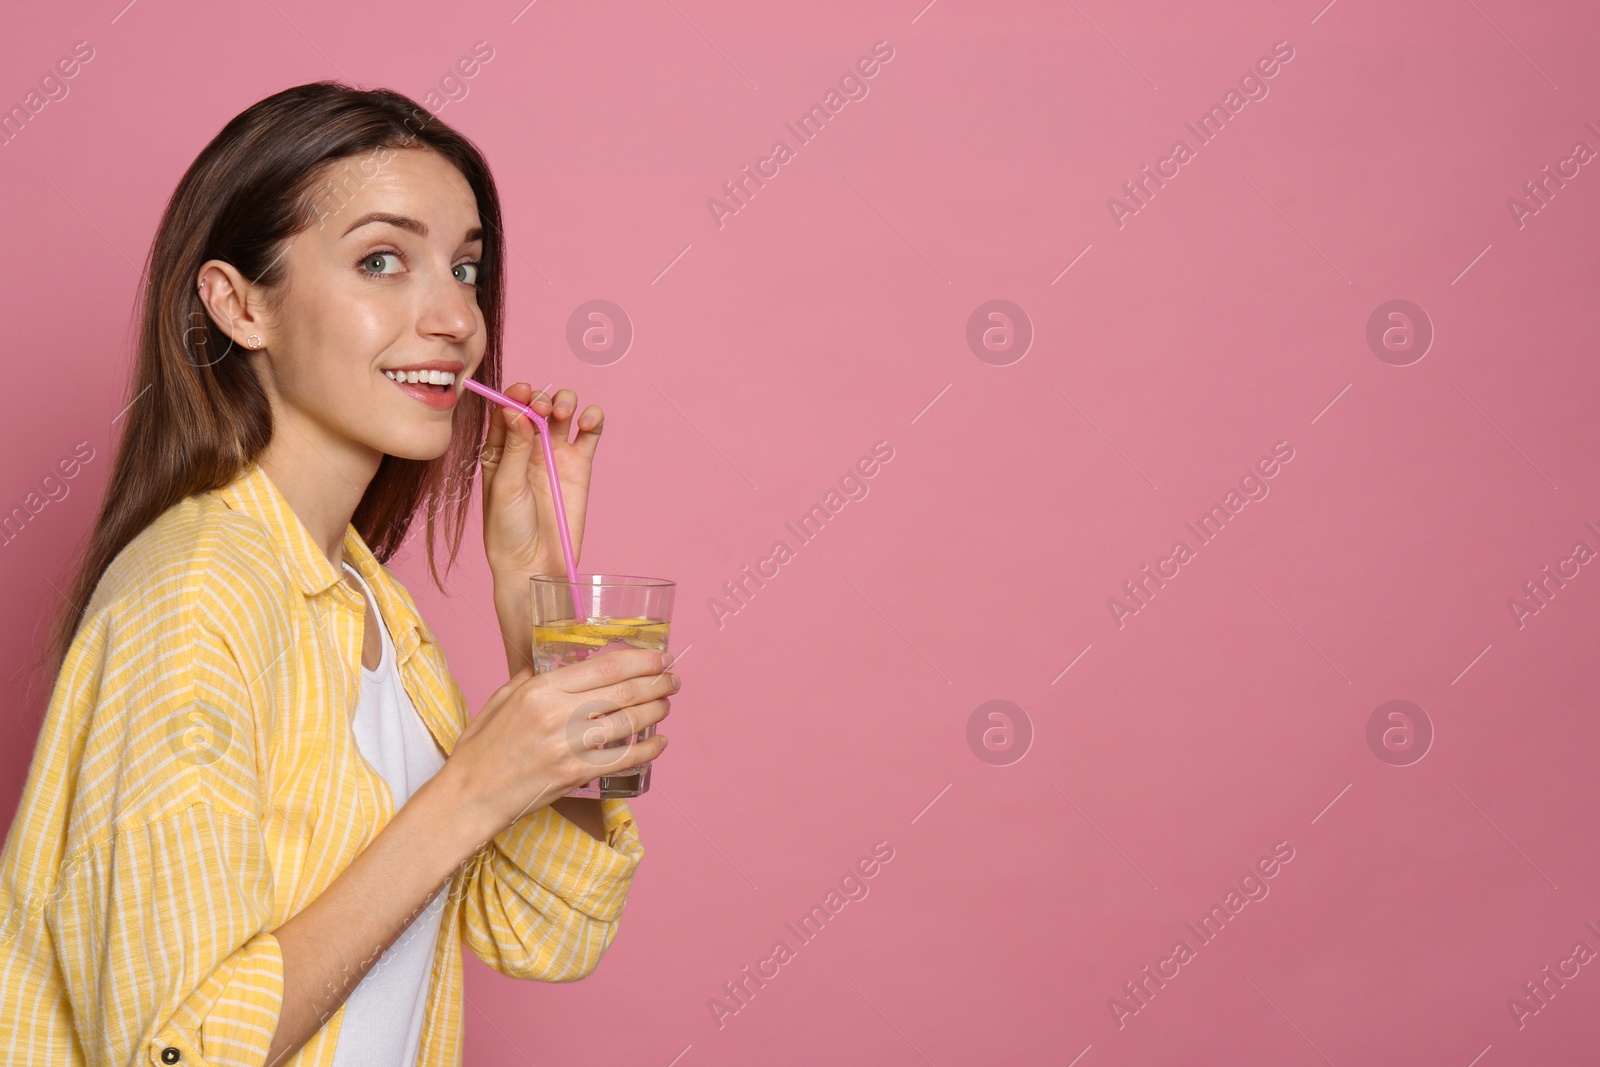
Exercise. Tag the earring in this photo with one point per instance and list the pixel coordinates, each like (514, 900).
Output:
(253, 341)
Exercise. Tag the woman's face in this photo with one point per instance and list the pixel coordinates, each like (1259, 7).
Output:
(384, 282)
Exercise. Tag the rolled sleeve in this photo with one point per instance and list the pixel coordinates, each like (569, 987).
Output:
(167, 923)
(619, 824)
(544, 899)
(590, 875)
(235, 1013)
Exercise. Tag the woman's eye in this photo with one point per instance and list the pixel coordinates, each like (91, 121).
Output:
(471, 272)
(379, 258)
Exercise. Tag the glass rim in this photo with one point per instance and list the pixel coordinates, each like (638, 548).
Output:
(629, 581)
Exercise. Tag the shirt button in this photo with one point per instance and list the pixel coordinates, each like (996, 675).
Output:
(170, 1055)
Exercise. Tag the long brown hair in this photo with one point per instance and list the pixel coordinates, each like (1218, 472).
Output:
(197, 413)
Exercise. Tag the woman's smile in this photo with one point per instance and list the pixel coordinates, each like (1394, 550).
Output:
(435, 383)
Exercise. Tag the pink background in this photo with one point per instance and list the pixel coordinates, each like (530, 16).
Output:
(832, 711)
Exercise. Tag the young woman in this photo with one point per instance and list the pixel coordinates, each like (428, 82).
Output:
(260, 820)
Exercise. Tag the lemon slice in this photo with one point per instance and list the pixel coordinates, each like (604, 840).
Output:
(608, 630)
(649, 637)
(598, 631)
(561, 635)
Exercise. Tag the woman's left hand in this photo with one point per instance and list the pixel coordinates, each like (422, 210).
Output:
(520, 535)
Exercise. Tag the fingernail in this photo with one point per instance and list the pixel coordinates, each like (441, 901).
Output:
(666, 660)
(676, 681)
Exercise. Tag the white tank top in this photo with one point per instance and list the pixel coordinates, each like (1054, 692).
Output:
(382, 1024)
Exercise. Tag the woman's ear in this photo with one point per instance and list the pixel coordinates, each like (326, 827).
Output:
(233, 303)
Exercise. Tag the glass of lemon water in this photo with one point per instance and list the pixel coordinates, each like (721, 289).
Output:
(599, 614)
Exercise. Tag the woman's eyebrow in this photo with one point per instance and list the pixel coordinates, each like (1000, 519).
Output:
(404, 222)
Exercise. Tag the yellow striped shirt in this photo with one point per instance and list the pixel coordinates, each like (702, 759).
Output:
(197, 782)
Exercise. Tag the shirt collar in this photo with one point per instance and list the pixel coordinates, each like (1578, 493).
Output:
(253, 493)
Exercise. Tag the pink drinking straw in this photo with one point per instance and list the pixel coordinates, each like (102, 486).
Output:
(550, 468)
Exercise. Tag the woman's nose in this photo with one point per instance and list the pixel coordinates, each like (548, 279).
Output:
(451, 310)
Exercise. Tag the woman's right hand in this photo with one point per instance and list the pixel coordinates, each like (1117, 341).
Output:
(540, 736)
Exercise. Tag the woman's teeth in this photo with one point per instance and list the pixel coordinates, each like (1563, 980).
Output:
(423, 377)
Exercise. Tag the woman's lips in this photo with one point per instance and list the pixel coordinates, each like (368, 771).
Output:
(442, 399)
